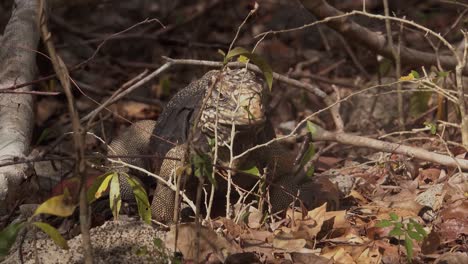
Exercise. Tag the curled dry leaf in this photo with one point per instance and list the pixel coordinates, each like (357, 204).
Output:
(309, 258)
(306, 227)
(429, 175)
(209, 241)
(254, 219)
(287, 242)
(351, 236)
(339, 255)
(370, 256)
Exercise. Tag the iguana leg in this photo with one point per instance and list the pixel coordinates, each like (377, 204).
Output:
(133, 141)
(162, 206)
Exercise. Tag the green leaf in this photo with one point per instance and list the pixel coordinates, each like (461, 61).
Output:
(432, 127)
(243, 59)
(235, 52)
(398, 225)
(203, 168)
(396, 232)
(419, 228)
(311, 128)
(60, 205)
(443, 74)
(141, 198)
(220, 51)
(409, 248)
(105, 183)
(256, 59)
(384, 223)
(92, 191)
(264, 67)
(253, 171)
(307, 157)
(53, 233)
(115, 198)
(415, 235)
(8, 237)
(393, 216)
(415, 74)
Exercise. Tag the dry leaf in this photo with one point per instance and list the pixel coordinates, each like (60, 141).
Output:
(288, 242)
(339, 255)
(370, 256)
(209, 242)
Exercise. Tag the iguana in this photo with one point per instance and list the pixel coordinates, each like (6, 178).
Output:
(236, 103)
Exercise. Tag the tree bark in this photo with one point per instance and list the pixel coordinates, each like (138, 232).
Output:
(17, 65)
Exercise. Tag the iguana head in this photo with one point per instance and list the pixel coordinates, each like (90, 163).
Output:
(238, 98)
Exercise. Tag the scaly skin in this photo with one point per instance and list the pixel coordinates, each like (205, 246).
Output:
(238, 98)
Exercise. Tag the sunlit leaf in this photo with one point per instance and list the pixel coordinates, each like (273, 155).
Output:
(53, 233)
(393, 216)
(141, 198)
(256, 59)
(105, 183)
(415, 74)
(243, 59)
(253, 171)
(432, 127)
(60, 205)
(8, 237)
(115, 198)
(235, 52)
(408, 77)
(92, 191)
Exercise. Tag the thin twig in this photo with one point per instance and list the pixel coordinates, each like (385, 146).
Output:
(78, 135)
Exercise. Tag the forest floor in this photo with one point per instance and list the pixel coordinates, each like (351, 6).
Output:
(394, 208)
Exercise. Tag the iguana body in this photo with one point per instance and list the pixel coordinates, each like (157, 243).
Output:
(235, 98)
